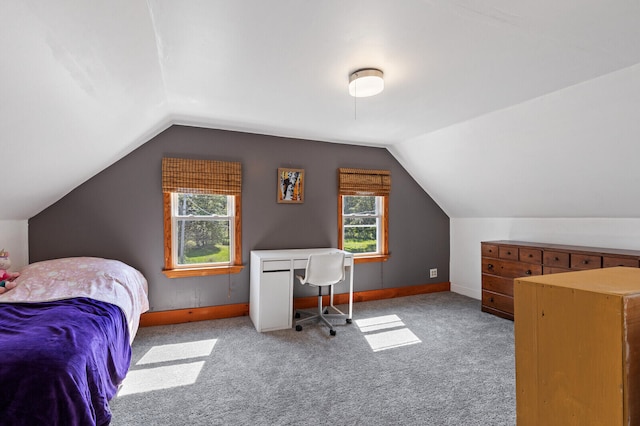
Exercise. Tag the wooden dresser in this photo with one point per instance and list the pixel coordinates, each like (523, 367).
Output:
(502, 261)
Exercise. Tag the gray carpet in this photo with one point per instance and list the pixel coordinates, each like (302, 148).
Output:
(460, 373)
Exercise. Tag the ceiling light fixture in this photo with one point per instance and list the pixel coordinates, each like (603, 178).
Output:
(366, 82)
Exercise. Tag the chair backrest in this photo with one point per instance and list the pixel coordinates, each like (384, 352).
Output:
(324, 269)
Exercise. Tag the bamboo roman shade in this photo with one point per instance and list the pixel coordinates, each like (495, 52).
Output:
(201, 176)
(364, 182)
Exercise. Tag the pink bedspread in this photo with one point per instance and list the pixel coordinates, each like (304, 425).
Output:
(106, 280)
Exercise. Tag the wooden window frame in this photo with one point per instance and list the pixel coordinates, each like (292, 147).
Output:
(366, 182)
(235, 266)
(181, 175)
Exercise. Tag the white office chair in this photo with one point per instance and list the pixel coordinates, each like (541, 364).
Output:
(323, 270)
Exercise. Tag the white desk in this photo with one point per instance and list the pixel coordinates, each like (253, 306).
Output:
(271, 285)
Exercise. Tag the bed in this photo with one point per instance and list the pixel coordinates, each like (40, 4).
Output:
(65, 340)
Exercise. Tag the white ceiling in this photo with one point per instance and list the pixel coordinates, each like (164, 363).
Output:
(84, 83)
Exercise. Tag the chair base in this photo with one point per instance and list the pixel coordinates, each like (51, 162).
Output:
(322, 315)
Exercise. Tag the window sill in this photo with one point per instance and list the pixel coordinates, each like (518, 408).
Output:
(371, 258)
(202, 272)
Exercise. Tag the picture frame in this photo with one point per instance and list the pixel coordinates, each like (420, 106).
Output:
(290, 186)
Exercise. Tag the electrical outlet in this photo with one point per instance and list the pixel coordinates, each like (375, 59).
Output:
(433, 273)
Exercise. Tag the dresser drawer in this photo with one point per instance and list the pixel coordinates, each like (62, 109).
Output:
(530, 255)
(585, 261)
(508, 252)
(497, 284)
(490, 250)
(546, 270)
(609, 261)
(497, 301)
(510, 269)
(556, 258)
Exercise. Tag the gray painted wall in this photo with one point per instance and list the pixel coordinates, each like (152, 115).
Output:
(118, 214)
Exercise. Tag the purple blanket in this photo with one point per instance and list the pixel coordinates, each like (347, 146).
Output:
(61, 362)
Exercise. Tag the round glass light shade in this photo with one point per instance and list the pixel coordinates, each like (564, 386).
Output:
(366, 82)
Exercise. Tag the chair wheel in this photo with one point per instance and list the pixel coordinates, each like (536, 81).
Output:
(298, 328)
(348, 320)
(332, 332)
(297, 315)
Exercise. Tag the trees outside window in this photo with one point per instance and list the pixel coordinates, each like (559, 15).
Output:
(363, 225)
(203, 228)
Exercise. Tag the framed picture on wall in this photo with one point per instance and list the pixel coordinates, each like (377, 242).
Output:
(290, 185)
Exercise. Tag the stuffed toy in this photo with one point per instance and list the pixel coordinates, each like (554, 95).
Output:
(7, 279)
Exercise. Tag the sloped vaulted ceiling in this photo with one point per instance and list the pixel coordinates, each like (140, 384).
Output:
(84, 83)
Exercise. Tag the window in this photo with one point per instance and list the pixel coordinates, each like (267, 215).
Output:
(362, 221)
(363, 205)
(202, 227)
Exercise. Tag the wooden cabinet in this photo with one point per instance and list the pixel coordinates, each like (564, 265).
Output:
(577, 347)
(503, 261)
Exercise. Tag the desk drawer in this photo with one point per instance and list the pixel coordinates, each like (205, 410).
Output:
(276, 265)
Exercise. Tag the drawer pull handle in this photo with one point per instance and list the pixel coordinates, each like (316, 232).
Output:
(491, 299)
(489, 266)
(528, 272)
(556, 258)
(508, 253)
(530, 255)
(585, 262)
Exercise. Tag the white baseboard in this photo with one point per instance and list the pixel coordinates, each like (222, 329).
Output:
(475, 294)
